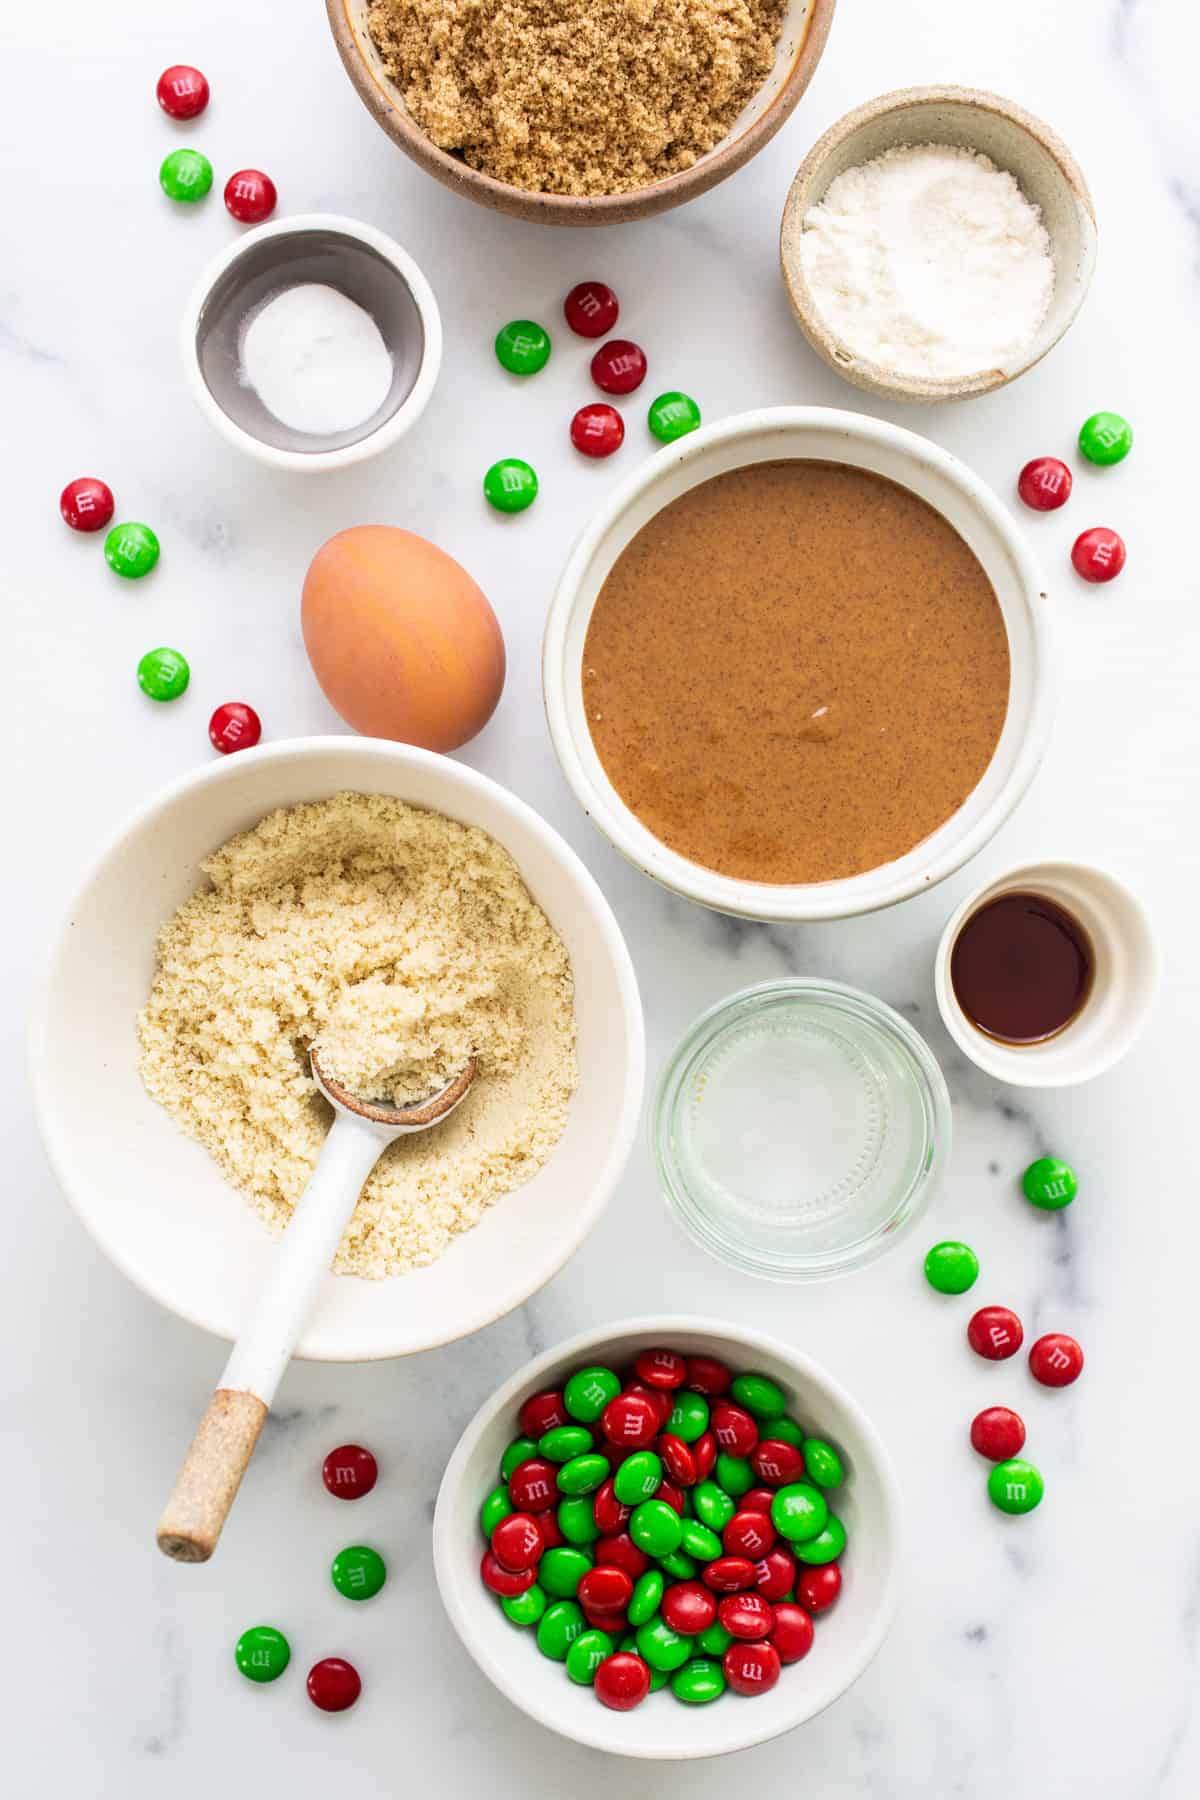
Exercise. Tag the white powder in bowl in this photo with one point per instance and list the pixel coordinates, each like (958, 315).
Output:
(316, 360)
(929, 261)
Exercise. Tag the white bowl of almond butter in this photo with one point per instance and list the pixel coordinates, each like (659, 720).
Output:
(378, 864)
(796, 667)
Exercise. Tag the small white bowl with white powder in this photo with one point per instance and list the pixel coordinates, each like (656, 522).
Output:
(313, 342)
(936, 243)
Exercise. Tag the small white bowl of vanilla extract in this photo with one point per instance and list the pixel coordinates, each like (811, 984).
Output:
(1045, 976)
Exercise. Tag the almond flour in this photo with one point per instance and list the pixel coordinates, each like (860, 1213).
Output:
(577, 96)
(401, 940)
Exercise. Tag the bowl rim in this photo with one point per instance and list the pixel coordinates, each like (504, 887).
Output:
(797, 903)
(699, 1036)
(873, 377)
(396, 425)
(49, 1115)
(654, 1328)
(575, 209)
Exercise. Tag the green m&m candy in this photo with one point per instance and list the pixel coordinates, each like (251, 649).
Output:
(647, 1597)
(577, 1521)
(588, 1393)
(262, 1653)
(638, 1478)
(585, 1654)
(185, 175)
(689, 1417)
(799, 1512)
(163, 674)
(698, 1681)
(526, 1608)
(734, 1474)
(715, 1641)
(672, 416)
(826, 1547)
(785, 1431)
(679, 1566)
(700, 1542)
(1015, 1486)
(583, 1474)
(951, 1267)
(563, 1442)
(558, 1627)
(522, 347)
(358, 1572)
(655, 1528)
(519, 1451)
(763, 1398)
(822, 1464)
(511, 485)
(1105, 438)
(1050, 1183)
(562, 1569)
(714, 1507)
(661, 1647)
(497, 1506)
(131, 550)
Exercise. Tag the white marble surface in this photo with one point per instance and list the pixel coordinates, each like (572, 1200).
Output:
(1054, 1656)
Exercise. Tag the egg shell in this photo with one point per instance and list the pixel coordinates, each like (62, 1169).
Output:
(403, 643)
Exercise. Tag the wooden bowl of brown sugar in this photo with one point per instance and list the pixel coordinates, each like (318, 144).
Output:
(549, 138)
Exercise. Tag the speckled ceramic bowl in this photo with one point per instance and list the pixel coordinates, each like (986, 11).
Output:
(805, 29)
(1014, 140)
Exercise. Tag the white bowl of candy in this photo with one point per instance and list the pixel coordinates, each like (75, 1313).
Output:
(815, 1512)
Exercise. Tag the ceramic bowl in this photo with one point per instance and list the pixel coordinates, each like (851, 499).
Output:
(825, 435)
(1014, 140)
(846, 1638)
(1124, 978)
(367, 266)
(155, 1201)
(805, 29)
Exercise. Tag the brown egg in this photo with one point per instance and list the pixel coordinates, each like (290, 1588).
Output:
(401, 640)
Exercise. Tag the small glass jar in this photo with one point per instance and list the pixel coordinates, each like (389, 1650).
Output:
(800, 1128)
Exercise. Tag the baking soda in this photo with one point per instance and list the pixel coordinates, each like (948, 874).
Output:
(316, 360)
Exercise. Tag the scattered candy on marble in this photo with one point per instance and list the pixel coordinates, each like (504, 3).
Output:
(86, 503)
(522, 347)
(1105, 438)
(234, 726)
(510, 485)
(1055, 1360)
(591, 309)
(131, 550)
(995, 1332)
(1015, 1486)
(998, 1433)
(1050, 1183)
(185, 175)
(163, 673)
(333, 1684)
(250, 196)
(358, 1572)
(597, 429)
(348, 1472)
(182, 91)
(951, 1267)
(1045, 484)
(262, 1653)
(619, 367)
(672, 416)
(1098, 554)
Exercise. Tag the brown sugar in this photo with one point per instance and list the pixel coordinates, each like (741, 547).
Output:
(795, 672)
(577, 96)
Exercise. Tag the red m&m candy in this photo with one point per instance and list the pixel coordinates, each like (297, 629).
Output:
(792, 1633)
(618, 1550)
(775, 1573)
(688, 1608)
(250, 196)
(1098, 554)
(234, 726)
(630, 1421)
(1056, 1360)
(349, 1472)
(182, 91)
(998, 1433)
(333, 1684)
(995, 1332)
(533, 1485)
(591, 309)
(87, 504)
(542, 1413)
(619, 366)
(751, 1668)
(608, 1512)
(677, 1459)
(730, 1574)
(597, 429)
(818, 1588)
(518, 1542)
(605, 1589)
(749, 1534)
(776, 1462)
(746, 1615)
(508, 1583)
(758, 1499)
(1044, 483)
(622, 1681)
(661, 1368)
(708, 1376)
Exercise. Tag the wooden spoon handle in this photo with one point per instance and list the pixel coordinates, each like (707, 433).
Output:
(210, 1475)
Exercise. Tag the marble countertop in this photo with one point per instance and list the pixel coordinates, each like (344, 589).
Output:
(1054, 1655)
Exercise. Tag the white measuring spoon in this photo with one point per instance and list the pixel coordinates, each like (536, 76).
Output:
(212, 1470)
